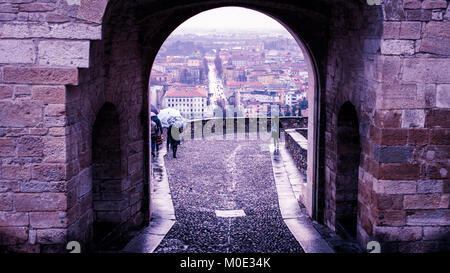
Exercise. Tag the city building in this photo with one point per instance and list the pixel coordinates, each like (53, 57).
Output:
(190, 101)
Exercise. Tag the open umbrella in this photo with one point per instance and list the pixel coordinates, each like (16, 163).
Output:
(170, 116)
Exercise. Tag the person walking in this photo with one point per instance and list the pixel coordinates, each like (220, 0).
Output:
(154, 129)
(173, 139)
(157, 133)
(275, 134)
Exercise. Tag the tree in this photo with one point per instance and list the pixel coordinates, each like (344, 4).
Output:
(218, 64)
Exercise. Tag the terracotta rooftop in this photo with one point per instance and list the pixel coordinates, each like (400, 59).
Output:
(186, 91)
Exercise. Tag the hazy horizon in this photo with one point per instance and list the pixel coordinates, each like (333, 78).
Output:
(230, 19)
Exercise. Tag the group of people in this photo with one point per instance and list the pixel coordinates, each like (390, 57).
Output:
(173, 139)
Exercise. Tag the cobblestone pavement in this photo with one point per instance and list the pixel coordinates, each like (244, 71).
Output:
(211, 175)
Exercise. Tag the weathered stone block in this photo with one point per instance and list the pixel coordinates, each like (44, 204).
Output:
(412, 4)
(48, 219)
(92, 10)
(55, 149)
(7, 16)
(34, 75)
(393, 154)
(17, 51)
(64, 53)
(6, 201)
(7, 147)
(432, 186)
(437, 170)
(443, 96)
(436, 233)
(30, 146)
(426, 201)
(40, 201)
(5, 92)
(21, 91)
(391, 218)
(437, 15)
(434, 4)
(51, 236)
(391, 30)
(68, 30)
(8, 186)
(410, 30)
(436, 153)
(398, 233)
(394, 187)
(400, 96)
(437, 118)
(16, 171)
(36, 7)
(428, 218)
(436, 38)
(20, 114)
(388, 201)
(13, 235)
(418, 136)
(426, 70)
(388, 118)
(50, 94)
(55, 110)
(393, 137)
(418, 15)
(399, 171)
(56, 18)
(8, 7)
(418, 247)
(440, 136)
(388, 68)
(393, 10)
(413, 118)
(12, 219)
(49, 172)
(397, 47)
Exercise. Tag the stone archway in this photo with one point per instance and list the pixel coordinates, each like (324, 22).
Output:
(59, 69)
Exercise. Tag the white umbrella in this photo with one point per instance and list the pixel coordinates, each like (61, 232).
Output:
(168, 116)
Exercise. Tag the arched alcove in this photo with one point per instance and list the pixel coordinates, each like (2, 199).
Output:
(106, 171)
(348, 152)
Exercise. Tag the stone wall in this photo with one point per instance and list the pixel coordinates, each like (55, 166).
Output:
(297, 145)
(401, 98)
(48, 108)
(409, 138)
(240, 125)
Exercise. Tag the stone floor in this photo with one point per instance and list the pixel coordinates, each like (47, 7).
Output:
(244, 180)
(215, 175)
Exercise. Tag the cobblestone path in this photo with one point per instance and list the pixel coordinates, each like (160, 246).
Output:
(212, 175)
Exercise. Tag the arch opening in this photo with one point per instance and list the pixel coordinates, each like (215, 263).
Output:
(200, 73)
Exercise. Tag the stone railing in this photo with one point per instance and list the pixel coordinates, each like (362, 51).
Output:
(200, 128)
(297, 144)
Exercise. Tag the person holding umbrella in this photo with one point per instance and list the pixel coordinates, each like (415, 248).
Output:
(173, 139)
(172, 119)
(156, 132)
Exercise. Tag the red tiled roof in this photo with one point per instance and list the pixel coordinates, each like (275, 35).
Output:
(185, 91)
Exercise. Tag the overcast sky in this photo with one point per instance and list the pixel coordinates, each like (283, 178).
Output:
(230, 18)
